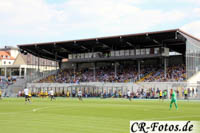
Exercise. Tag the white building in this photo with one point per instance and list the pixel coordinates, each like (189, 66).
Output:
(6, 58)
(14, 64)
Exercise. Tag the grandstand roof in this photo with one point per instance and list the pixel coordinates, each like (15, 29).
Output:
(172, 39)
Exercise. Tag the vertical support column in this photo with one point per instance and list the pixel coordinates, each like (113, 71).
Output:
(56, 61)
(115, 69)
(46, 68)
(20, 72)
(5, 74)
(94, 71)
(139, 69)
(31, 65)
(25, 70)
(35, 66)
(165, 67)
(10, 72)
(51, 68)
(27, 66)
(60, 64)
(38, 65)
(74, 67)
(74, 72)
(47, 65)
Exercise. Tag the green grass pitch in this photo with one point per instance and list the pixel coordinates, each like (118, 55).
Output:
(93, 115)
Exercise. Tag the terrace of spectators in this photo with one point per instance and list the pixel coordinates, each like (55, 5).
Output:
(126, 74)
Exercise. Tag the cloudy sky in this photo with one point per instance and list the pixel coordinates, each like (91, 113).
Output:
(32, 21)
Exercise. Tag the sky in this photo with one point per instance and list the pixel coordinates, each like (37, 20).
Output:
(34, 21)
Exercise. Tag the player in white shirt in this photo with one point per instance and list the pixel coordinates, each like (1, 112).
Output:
(80, 95)
(129, 95)
(26, 93)
(51, 93)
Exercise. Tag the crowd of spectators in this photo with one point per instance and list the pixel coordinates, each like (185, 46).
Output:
(173, 73)
(123, 74)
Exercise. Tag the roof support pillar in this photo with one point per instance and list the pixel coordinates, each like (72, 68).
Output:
(94, 71)
(5, 72)
(56, 61)
(139, 69)
(115, 69)
(165, 67)
(27, 66)
(74, 67)
(25, 71)
(20, 72)
(38, 65)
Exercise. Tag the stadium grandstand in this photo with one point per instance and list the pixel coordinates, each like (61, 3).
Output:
(149, 62)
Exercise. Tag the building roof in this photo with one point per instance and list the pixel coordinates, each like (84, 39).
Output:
(5, 55)
(6, 48)
(172, 39)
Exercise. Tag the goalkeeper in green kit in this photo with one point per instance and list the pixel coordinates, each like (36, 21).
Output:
(173, 100)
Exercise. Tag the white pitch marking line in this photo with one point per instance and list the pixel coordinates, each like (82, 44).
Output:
(36, 109)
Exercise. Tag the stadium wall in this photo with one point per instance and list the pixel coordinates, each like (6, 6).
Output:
(124, 87)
